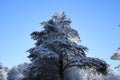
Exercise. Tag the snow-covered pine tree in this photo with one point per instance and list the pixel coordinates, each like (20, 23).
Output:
(18, 72)
(116, 55)
(3, 72)
(57, 49)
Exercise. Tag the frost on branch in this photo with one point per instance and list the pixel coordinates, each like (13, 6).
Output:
(18, 72)
(57, 49)
(88, 74)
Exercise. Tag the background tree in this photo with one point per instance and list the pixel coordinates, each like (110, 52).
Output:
(116, 55)
(58, 48)
(18, 72)
(3, 72)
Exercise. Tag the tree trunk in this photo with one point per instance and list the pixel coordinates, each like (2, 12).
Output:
(61, 71)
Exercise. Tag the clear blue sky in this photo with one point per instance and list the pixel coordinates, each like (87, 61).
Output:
(95, 20)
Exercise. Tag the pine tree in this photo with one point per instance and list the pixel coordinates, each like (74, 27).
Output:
(18, 72)
(58, 48)
(3, 72)
(116, 55)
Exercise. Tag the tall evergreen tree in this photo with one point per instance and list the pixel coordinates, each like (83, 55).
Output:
(58, 48)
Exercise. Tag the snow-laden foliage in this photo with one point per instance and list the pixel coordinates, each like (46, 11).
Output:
(75, 73)
(57, 49)
(116, 56)
(18, 72)
(3, 72)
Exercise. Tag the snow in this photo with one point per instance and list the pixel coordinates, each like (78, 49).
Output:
(18, 72)
(44, 52)
(75, 73)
